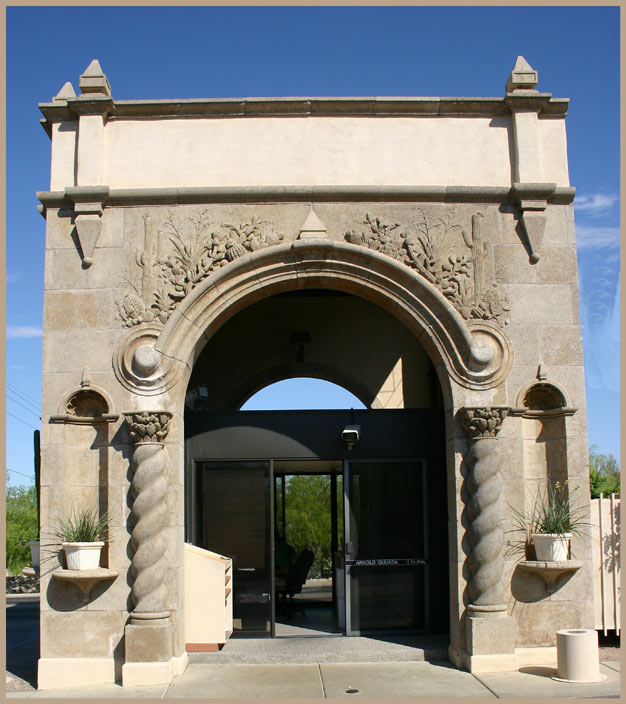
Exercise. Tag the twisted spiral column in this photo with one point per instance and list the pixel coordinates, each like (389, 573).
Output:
(149, 511)
(484, 510)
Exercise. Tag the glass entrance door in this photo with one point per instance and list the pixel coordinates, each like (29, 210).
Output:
(386, 547)
(232, 518)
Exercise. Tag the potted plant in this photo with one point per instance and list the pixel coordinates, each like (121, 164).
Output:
(34, 554)
(83, 535)
(551, 523)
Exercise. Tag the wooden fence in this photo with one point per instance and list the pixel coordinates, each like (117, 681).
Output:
(605, 518)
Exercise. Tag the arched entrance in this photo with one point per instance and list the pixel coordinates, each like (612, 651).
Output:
(469, 357)
(388, 523)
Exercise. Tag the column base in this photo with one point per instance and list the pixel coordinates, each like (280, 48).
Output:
(527, 657)
(53, 673)
(149, 642)
(490, 643)
(179, 663)
(135, 674)
(477, 664)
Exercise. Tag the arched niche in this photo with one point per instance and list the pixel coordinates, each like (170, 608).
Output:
(80, 465)
(85, 404)
(543, 407)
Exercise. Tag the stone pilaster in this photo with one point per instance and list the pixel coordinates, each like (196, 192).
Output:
(148, 635)
(490, 635)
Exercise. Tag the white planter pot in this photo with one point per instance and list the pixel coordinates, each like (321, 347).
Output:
(34, 554)
(551, 547)
(83, 556)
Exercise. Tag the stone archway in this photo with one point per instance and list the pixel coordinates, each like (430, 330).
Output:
(474, 355)
(471, 357)
(475, 258)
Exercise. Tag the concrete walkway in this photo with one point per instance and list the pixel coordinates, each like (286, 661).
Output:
(319, 668)
(422, 680)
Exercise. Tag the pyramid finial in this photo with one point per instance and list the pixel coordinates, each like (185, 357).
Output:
(65, 93)
(313, 227)
(93, 80)
(523, 77)
(86, 378)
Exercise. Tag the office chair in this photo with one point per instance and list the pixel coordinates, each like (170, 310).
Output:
(293, 582)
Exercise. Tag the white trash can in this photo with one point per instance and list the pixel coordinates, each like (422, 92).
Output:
(577, 655)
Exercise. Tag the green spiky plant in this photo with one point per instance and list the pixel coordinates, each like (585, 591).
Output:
(552, 514)
(84, 526)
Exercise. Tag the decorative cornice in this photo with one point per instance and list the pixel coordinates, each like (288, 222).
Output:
(148, 426)
(483, 422)
(298, 194)
(80, 195)
(543, 103)
(91, 104)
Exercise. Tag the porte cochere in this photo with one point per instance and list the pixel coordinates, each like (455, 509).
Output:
(419, 252)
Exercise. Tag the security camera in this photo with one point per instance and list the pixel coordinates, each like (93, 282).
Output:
(350, 435)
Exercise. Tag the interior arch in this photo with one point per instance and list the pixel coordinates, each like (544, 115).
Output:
(315, 393)
(324, 334)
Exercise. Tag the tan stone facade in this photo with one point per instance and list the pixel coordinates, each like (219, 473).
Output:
(449, 221)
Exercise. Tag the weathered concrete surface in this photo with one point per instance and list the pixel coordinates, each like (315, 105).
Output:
(466, 254)
(268, 683)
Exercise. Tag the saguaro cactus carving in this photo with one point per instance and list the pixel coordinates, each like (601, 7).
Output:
(149, 491)
(484, 508)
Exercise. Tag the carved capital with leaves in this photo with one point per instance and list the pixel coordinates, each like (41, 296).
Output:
(148, 426)
(483, 422)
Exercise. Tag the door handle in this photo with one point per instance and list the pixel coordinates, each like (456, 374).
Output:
(348, 548)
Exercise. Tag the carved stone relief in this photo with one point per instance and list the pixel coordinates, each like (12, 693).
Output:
(483, 422)
(196, 249)
(86, 404)
(139, 367)
(445, 255)
(185, 249)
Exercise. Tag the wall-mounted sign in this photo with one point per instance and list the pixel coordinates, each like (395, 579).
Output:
(386, 562)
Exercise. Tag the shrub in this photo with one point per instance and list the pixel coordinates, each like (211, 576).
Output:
(604, 475)
(21, 526)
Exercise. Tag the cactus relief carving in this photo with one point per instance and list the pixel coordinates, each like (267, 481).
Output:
(445, 255)
(197, 248)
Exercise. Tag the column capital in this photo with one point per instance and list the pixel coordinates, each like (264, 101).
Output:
(148, 426)
(482, 421)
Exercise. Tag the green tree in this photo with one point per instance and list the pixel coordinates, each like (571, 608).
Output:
(307, 513)
(604, 477)
(21, 525)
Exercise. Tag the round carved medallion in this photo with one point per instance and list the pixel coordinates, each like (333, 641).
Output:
(139, 367)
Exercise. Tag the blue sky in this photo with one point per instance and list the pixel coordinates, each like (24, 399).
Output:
(161, 52)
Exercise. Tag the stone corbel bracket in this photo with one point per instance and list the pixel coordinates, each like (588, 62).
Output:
(532, 200)
(88, 202)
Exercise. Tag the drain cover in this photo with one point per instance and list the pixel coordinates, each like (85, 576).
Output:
(351, 690)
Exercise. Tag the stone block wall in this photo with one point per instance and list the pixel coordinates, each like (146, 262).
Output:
(470, 249)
